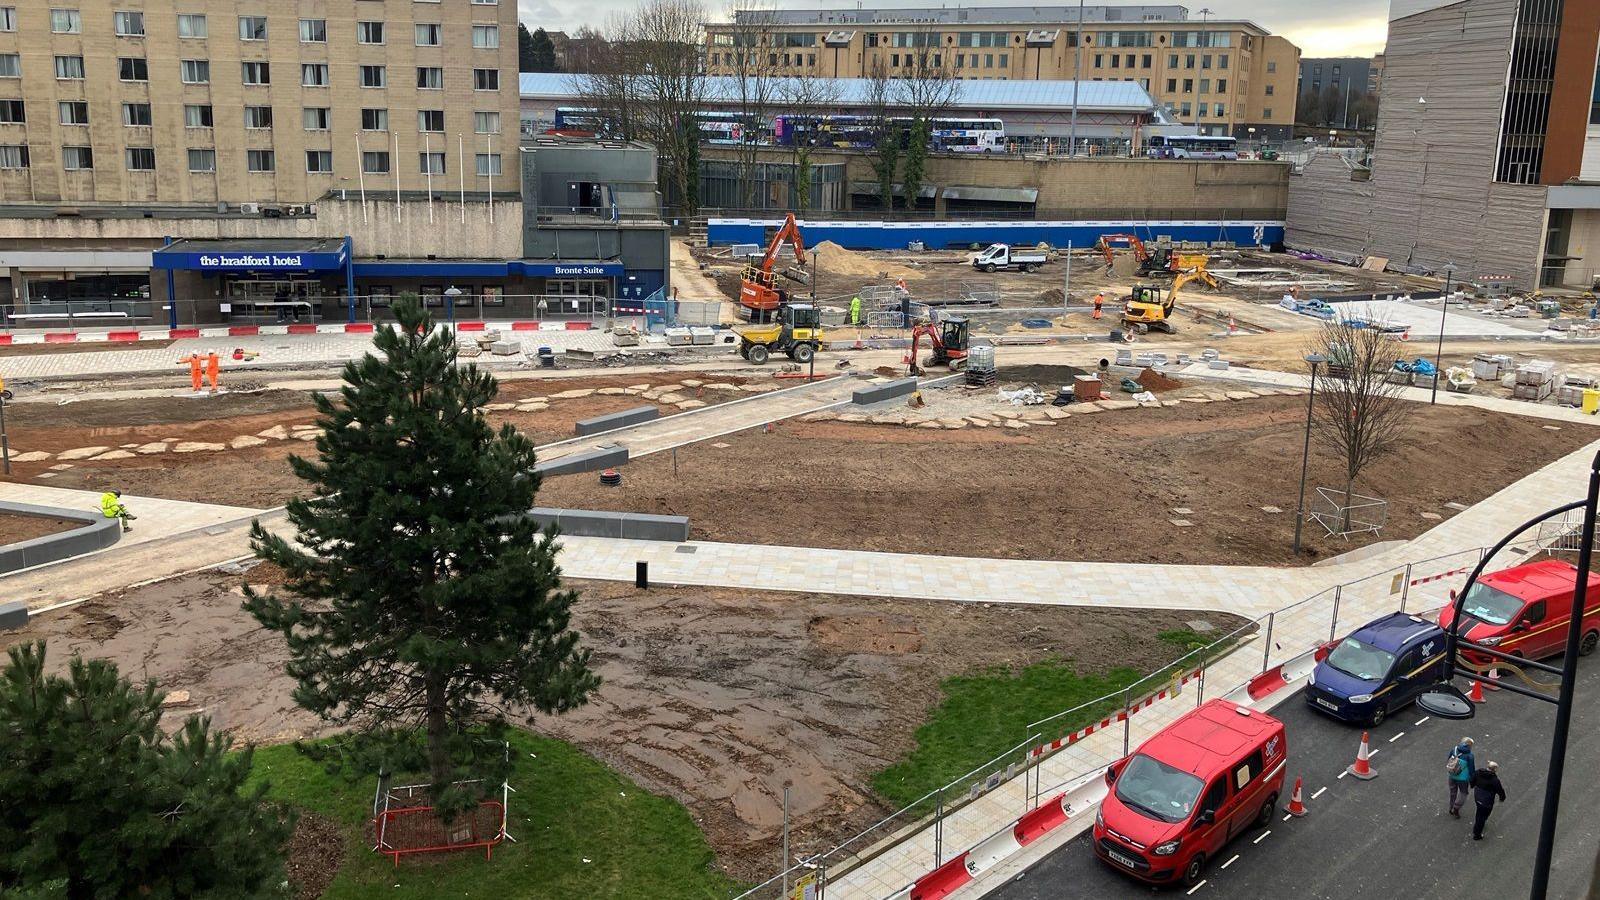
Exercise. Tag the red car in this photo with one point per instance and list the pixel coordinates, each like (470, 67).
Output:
(1525, 611)
(1178, 799)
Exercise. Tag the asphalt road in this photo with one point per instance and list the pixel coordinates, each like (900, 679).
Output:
(1392, 836)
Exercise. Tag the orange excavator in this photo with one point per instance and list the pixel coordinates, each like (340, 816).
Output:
(1159, 262)
(949, 344)
(759, 297)
(1109, 243)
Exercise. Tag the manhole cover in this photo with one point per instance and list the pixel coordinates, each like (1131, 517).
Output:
(1181, 523)
(683, 548)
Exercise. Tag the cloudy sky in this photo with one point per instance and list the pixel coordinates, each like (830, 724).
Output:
(1329, 28)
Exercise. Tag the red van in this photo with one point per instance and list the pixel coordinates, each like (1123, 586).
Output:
(1189, 790)
(1525, 611)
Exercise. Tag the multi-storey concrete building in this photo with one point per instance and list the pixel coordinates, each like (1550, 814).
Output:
(1225, 77)
(254, 101)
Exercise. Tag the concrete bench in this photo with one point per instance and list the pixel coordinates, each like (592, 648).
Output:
(617, 420)
(876, 393)
(586, 461)
(600, 523)
(96, 533)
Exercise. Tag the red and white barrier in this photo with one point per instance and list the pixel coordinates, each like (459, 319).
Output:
(1442, 575)
(1121, 716)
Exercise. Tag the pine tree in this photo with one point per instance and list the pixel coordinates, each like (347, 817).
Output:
(543, 51)
(420, 600)
(525, 53)
(99, 803)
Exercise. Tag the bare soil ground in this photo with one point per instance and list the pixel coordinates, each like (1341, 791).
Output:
(85, 347)
(261, 476)
(716, 697)
(1103, 486)
(26, 528)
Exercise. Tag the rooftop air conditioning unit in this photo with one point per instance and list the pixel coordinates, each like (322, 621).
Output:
(1042, 37)
(250, 209)
(272, 212)
(299, 209)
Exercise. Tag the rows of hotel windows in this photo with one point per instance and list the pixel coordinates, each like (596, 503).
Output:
(204, 160)
(131, 23)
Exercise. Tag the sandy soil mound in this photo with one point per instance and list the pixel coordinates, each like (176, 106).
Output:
(835, 261)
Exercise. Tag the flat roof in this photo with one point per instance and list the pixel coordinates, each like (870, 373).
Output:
(239, 245)
(1101, 96)
(1098, 14)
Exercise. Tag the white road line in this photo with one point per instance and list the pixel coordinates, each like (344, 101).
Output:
(1374, 752)
(1319, 791)
(1423, 719)
(1397, 737)
(1288, 816)
(1262, 836)
(1231, 861)
(1196, 888)
(1344, 773)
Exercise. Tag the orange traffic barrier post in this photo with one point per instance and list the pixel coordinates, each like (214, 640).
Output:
(1297, 805)
(1476, 695)
(1361, 768)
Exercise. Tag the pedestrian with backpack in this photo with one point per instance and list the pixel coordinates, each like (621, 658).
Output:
(1460, 766)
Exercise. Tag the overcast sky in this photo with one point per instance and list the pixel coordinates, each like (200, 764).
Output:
(1329, 28)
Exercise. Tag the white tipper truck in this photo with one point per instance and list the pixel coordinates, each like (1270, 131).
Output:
(1002, 256)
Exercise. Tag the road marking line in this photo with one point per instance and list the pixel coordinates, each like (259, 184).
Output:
(1196, 888)
(1320, 790)
(1344, 773)
(1423, 719)
(1288, 816)
(1397, 737)
(1262, 837)
(1231, 861)
(1374, 752)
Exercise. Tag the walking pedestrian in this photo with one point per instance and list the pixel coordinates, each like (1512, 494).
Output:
(1486, 788)
(1461, 766)
(1099, 301)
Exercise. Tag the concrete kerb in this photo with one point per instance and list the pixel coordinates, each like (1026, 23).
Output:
(875, 393)
(598, 523)
(590, 461)
(96, 533)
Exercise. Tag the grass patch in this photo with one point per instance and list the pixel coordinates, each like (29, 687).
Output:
(583, 831)
(985, 712)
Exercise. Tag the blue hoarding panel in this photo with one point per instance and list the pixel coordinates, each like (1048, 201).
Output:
(248, 261)
(953, 234)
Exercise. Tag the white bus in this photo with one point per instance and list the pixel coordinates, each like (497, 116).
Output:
(968, 135)
(1192, 146)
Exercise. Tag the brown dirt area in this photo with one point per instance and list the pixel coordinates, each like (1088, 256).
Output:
(260, 476)
(75, 347)
(1096, 487)
(716, 697)
(313, 855)
(25, 528)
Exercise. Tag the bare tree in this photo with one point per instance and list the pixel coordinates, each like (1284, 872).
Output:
(886, 131)
(809, 96)
(608, 84)
(670, 43)
(1358, 410)
(927, 88)
(755, 74)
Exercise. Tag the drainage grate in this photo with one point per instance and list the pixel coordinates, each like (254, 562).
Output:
(684, 548)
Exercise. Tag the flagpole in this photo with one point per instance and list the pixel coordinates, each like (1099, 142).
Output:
(488, 145)
(461, 169)
(427, 154)
(394, 169)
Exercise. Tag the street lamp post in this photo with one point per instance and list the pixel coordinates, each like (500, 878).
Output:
(1315, 359)
(1438, 352)
(451, 295)
(1446, 701)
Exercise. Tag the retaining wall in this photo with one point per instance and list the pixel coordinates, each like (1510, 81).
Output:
(597, 523)
(617, 420)
(97, 533)
(874, 393)
(587, 461)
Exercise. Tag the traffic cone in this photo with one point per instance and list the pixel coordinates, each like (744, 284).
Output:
(1494, 679)
(1232, 328)
(1405, 335)
(1476, 696)
(1297, 806)
(1361, 768)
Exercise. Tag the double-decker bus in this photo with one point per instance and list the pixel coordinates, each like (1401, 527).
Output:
(948, 134)
(1192, 146)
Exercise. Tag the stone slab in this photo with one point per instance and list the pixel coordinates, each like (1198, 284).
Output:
(616, 420)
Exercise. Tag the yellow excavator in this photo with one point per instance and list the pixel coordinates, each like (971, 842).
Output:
(1144, 309)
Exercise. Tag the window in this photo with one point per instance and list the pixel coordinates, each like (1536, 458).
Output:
(1205, 85)
(1271, 67)
(374, 77)
(201, 160)
(1205, 62)
(315, 118)
(319, 162)
(73, 112)
(486, 79)
(192, 25)
(313, 31)
(261, 160)
(488, 164)
(12, 112)
(1221, 111)
(136, 115)
(369, 32)
(252, 28)
(1144, 61)
(66, 21)
(430, 120)
(1215, 797)
(141, 159)
(1116, 61)
(1099, 60)
(197, 115)
(195, 71)
(128, 24)
(486, 122)
(428, 34)
(486, 37)
(1188, 85)
(375, 162)
(77, 159)
(430, 78)
(1004, 60)
(1222, 85)
(1188, 61)
(13, 156)
(1269, 90)
(69, 67)
(1222, 60)
(374, 120)
(1172, 85)
(1172, 60)
(8, 18)
(258, 117)
(10, 65)
(256, 72)
(133, 68)
(431, 162)
(485, 2)
(314, 74)
(1247, 770)
(1266, 112)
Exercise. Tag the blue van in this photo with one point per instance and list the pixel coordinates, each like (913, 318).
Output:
(1379, 668)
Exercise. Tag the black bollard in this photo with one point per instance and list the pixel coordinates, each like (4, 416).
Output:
(641, 574)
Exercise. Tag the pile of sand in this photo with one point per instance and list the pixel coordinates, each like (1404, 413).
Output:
(1155, 382)
(834, 261)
